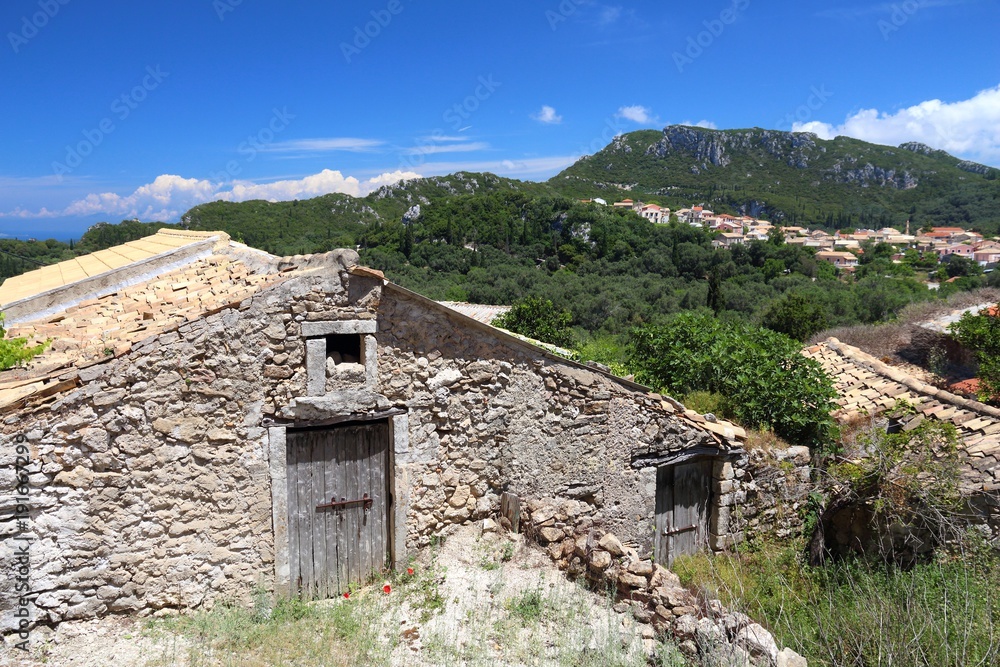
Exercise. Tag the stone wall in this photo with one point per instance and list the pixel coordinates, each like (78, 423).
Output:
(767, 493)
(152, 488)
(487, 416)
(158, 477)
(575, 539)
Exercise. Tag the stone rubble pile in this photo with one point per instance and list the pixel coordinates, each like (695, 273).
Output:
(651, 594)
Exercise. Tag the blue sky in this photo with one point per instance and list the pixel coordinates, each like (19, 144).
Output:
(144, 109)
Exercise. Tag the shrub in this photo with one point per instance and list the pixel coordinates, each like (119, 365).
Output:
(537, 318)
(16, 351)
(981, 333)
(766, 382)
(795, 316)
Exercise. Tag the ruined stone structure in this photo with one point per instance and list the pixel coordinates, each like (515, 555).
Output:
(868, 387)
(165, 428)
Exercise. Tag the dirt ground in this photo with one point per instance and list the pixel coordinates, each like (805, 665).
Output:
(484, 584)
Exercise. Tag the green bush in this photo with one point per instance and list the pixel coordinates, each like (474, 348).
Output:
(16, 351)
(764, 379)
(981, 333)
(539, 319)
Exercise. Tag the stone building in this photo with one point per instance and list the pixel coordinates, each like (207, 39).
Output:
(210, 418)
(868, 387)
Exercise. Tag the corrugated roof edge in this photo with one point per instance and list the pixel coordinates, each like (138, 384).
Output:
(902, 378)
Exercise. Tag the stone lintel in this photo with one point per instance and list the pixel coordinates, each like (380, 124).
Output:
(311, 329)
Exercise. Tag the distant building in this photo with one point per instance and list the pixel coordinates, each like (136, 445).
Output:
(654, 213)
(987, 254)
(959, 249)
(841, 260)
(727, 240)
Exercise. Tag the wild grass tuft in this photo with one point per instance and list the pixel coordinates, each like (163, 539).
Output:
(863, 612)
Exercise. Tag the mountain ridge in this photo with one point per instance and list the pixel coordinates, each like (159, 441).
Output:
(794, 177)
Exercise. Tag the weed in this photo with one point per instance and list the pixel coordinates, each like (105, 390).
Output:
(863, 611)
(527, 607)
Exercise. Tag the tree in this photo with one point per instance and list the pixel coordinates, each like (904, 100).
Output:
(981, 334)
(764, 380)
(957, 266)
(537, 318)
(795, 316)
(16, 351)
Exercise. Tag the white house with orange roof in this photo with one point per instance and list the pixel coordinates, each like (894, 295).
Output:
(654, 213)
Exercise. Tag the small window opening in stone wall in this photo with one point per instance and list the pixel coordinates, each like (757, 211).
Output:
(344, 348)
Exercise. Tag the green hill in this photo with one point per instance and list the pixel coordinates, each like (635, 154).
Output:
(337, 220)
(795, 178)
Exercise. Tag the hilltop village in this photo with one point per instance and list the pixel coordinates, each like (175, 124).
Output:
(842, 249)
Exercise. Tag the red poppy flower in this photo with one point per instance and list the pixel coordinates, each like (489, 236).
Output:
(347, 594)
(387, 588)
(409, 571)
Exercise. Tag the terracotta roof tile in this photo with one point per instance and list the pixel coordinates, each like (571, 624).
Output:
(867, 386)
(97, 329)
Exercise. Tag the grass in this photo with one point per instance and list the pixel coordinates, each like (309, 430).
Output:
(510, 614)
(860, 612)
(287, 631)
(549, 624)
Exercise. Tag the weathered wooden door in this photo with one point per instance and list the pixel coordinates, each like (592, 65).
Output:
(682, 509)
(337, 506)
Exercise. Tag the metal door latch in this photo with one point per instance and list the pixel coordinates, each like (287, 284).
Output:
(668, 531)
(343, 502)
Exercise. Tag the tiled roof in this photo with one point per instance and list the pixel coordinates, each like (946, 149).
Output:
(58, 275)
(95, 330)
(867, 386)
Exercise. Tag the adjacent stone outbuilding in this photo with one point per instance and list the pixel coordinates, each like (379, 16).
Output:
(211, 419)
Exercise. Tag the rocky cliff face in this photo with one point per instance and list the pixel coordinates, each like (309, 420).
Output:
(868, 175)
(799, 150)
(974, 167)
(716, 148)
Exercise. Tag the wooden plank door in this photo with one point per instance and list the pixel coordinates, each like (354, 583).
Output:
(682, 509)
(338, 509)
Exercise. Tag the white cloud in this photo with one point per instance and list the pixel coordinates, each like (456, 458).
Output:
(324, 145)
(444, 137)
(968, 128)
(547, 115)
(609, 14)
(169, 196)
(637, 114)
(852, 13)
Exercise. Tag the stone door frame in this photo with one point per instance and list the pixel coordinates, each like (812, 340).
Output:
(399, 425)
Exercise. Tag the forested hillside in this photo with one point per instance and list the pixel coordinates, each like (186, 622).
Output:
(482, 238)
(795, 178)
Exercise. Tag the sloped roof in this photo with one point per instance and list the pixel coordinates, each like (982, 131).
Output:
(91, 330)
(74, 270)
(867, 386)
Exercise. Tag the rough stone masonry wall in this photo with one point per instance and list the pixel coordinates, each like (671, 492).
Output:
(487, 416)
(152, 487)
(766, 493)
